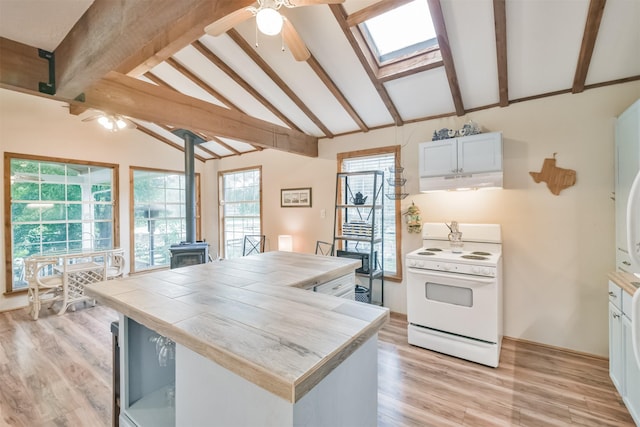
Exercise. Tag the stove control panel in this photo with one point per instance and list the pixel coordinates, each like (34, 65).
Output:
(453, 267)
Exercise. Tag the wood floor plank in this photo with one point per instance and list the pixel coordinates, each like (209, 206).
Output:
(56, 371)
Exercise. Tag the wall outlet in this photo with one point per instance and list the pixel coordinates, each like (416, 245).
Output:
(323, 213)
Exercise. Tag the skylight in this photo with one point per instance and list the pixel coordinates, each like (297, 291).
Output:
(404, 31)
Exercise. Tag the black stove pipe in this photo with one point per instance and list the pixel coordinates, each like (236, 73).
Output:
(190, 141)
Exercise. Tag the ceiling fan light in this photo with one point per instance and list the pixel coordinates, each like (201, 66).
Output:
(269, 21)
(121, 123)
(103, 121)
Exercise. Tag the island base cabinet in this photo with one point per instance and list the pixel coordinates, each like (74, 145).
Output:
(147, 377)
(208, 394)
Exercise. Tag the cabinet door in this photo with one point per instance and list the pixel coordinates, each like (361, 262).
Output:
(615, 347)
(631, 370)
(438, 158)
(627, 165)
(480, 153)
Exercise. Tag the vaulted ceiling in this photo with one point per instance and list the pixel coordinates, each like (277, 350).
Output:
(151, 60)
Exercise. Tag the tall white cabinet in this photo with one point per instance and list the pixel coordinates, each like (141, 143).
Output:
(623, 369)
(627, 166)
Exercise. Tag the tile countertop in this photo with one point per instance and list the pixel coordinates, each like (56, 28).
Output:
(624, 280)
(246, 315)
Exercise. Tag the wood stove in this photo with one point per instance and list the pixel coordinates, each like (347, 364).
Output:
(189, 252)
(185, 253)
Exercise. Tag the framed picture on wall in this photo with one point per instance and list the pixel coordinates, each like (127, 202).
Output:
(295, 198)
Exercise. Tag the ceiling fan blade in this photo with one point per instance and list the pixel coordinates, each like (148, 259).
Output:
(294, 42)
(313, 2)
(225, 23)
(88, 119)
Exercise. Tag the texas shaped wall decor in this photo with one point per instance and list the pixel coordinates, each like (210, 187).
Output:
(557, 179)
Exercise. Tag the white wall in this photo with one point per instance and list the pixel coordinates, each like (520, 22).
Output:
(557, 249)
(38, 126)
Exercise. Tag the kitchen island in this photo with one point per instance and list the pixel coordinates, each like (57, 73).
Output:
(253, 344)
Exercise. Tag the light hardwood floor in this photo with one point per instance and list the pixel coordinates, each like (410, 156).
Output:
(57, 372)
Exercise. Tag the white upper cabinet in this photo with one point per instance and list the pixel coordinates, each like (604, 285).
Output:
(439, 158)
(465, 155)
(467, 162)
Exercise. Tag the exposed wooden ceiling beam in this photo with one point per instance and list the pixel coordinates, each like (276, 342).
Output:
(374, 10)
(145, 101)
(416, 64)
(251, 52)
(202, 84)
(591, 27)
(167, 141)
(161, 82)
(335, 91)
(20, 65)
(197, 147)
(243, 83)
(500, 23)
(110, 34)
(341, 17)
(447, 57)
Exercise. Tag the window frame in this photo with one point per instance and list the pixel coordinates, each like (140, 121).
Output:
(221, 216)
(132, 253)
(8, 244)
(428, 58)
(395, 150)
(402, 54)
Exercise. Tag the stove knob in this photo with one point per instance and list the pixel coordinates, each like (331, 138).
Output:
(476, 270)
(412, 263)
(420, 264)
(446, 267)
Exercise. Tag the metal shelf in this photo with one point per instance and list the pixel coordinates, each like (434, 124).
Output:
(367, 218)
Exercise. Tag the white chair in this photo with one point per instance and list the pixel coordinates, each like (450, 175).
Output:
(115, 264)
(44, 284)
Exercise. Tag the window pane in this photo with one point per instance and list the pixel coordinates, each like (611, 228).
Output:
(51, 209)
(365, 184)
(159, 210)
(240, 209)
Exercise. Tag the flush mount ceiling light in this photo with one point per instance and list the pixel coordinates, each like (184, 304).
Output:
(270, 22)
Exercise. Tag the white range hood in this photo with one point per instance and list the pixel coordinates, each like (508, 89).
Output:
(475, 181)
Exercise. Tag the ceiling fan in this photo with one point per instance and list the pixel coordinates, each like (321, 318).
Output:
(112, 122)
(270, 22)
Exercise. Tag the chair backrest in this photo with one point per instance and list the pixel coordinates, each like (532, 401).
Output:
(253, 244)
(324, 248)
(39, 267)
(115, 264)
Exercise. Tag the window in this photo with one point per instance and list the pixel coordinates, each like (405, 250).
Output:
(158, 215)
(240, 200)
(404, 31)
(381, 159)
(56, 207)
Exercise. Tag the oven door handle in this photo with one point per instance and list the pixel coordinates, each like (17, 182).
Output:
(453, 276)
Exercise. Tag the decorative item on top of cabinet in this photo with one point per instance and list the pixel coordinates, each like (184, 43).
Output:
(557, 179)
(468, 129)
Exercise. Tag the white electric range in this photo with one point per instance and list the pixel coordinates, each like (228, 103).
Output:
(454, 296)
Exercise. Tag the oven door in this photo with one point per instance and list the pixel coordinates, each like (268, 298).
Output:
(454, 303)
